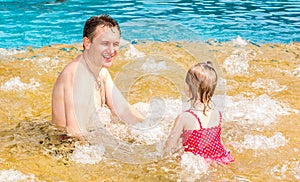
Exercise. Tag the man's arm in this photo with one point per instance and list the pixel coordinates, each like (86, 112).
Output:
(118, 104)
(58, 104)
(63, 113)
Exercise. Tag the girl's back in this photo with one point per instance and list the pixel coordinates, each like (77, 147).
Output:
(200, 126)
(205, 140)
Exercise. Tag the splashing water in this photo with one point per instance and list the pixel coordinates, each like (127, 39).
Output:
(88, 154)
(269, 85)
(280, 171)
(261, 110)
(10, 52)
(256, 142)
(133, 53)
(14, 175)
(17, 84)
(152, 66)
(192, 164)
(238, 62)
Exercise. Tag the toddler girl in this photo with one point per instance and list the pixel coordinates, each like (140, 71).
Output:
(200, 126)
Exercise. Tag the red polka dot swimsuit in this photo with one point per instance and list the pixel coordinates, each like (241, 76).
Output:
(206, 142)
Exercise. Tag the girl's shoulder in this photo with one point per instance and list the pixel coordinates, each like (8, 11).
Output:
(190, 120)
(188, 114)
(211, 118)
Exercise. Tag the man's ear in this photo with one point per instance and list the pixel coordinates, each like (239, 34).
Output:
(86, 42)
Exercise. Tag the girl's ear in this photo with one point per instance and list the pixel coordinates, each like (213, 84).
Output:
(86, 42)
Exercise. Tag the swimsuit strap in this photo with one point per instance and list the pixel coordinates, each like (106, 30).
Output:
(194, 114)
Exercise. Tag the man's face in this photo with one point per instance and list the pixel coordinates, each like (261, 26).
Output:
(105, 46)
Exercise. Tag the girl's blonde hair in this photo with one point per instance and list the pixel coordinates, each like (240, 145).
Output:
(202, 81)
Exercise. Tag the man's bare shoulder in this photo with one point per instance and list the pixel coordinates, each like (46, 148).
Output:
(69, 71)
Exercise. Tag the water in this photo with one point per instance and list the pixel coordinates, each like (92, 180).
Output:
(258, 89)
(43, 22)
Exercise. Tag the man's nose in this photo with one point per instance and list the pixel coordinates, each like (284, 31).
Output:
(111, 48)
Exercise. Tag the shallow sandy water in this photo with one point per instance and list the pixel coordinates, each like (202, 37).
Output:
(264, 144)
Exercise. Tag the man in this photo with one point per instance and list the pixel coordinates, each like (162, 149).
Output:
(85, 83)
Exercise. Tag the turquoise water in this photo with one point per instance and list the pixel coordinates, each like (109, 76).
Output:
(42, 22)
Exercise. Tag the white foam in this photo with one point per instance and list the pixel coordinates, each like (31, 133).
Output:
(192, 166)
(151, 65)
(149, 136)
(88, 154)
(281, 171)
(99, 118)
(256, 142)
(160, 116)
(12, 175)
(261, 110)
(239, 41)
(295, 167)
(293, 73)
(133, 53)
(269, 85)
(10, 52)
(47, 63)
(16, 84)
(45, 60)
(237, 62)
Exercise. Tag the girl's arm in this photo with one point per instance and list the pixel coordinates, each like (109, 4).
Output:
(172, 141)
(118, 104)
